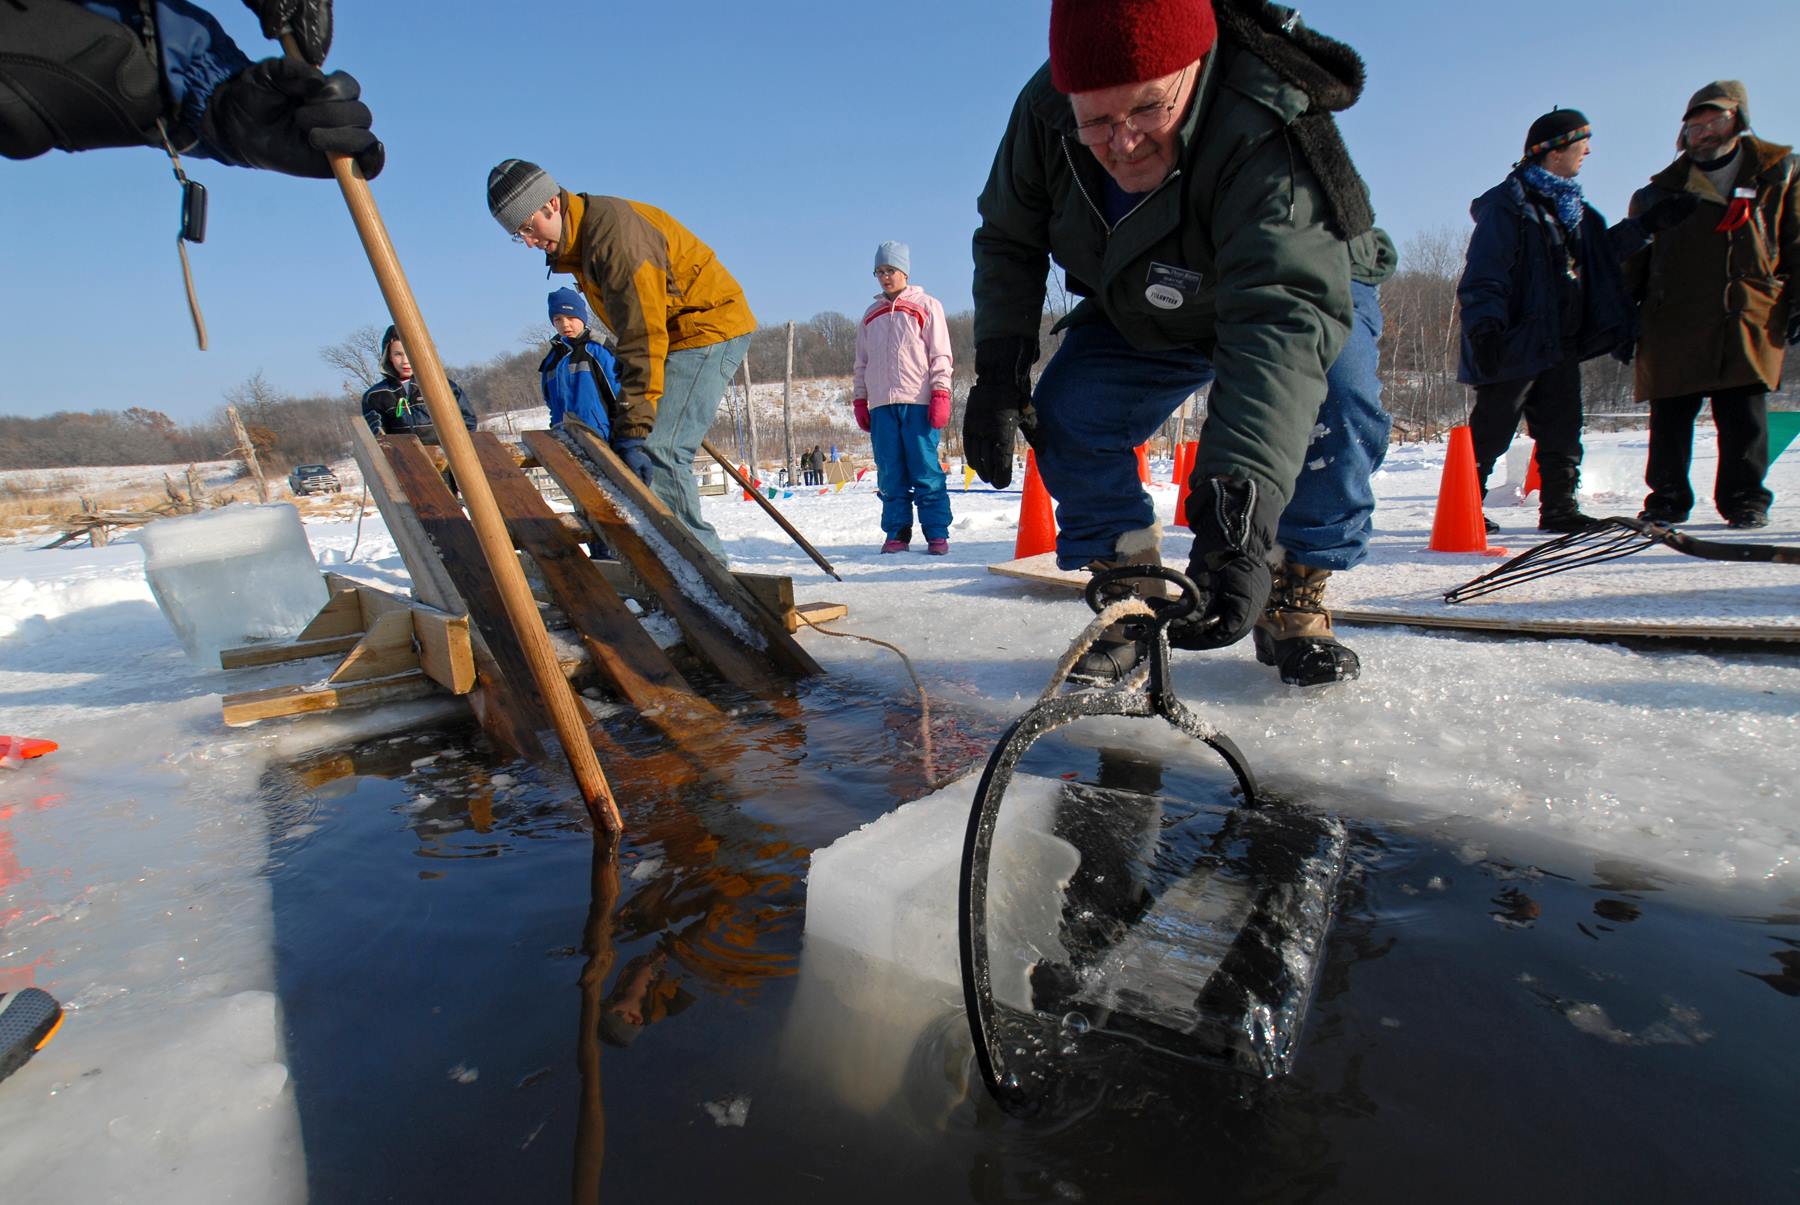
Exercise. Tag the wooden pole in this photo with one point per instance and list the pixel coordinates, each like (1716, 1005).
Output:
(249, 450)
(750, 416)
(496, 545)
(787, 407)
(731, 472)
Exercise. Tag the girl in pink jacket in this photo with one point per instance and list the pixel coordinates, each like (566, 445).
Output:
(902, 399)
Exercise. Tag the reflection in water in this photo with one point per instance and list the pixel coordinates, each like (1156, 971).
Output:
(597, 944)
(1787, 979)
(1515, 909)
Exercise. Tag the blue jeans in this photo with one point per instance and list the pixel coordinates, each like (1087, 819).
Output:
(907, 472)
(1099, 398)
(694, 381)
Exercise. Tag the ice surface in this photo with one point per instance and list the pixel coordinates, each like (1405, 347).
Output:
(231, 576)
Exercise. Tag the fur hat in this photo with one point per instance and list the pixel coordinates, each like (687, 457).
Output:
(1727, 94)
(516, 190)
(1104, 43)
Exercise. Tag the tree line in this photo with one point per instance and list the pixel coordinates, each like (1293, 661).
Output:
(1420, 347)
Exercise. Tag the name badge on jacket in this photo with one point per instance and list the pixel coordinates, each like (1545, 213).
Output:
(1169, 288)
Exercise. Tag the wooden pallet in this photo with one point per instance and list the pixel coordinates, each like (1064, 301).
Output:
(1041, 570)
(393, 648)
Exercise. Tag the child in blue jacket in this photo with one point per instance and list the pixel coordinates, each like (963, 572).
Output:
(580, 376)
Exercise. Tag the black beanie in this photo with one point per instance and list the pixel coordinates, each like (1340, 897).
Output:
(1557, 128)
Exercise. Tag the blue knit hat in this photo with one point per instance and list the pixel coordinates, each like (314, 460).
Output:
(894, 255)
(568, 301)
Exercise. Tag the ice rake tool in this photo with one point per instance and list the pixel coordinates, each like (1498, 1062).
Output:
(1146, 693)
(1608, 540)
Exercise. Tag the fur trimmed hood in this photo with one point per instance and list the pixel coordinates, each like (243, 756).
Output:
(1329, 72)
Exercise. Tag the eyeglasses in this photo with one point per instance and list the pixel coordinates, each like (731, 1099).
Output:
(1146, 119)
(524, 232)
(1707, 123)
(888, 272)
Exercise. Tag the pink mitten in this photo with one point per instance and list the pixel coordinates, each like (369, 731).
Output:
(940, 409)
(861, 406)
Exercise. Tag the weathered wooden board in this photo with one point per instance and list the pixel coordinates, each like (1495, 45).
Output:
(279, 701)
(432, 584)
(445, 650)
(783, 651)
(628, 661)
(452, 538)
(1041, 570)
(706, 636)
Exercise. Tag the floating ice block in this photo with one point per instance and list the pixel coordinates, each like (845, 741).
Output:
(232, 576)
(887, 892)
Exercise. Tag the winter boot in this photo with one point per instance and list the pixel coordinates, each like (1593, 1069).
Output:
(1294, 634)
(1557, 508)
(1120, 646)
(900, 541)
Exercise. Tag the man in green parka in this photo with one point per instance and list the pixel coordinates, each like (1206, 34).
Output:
(1178, 160)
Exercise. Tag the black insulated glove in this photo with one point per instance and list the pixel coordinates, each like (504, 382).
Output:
(308, 20)
(287, 117)
(1234, 528)
(999, 407)
(1669, 212)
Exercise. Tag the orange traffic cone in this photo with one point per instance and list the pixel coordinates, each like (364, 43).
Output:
(1143, 456)
(1037, 515)
(1532, 481)
(1184, 468)
(1457, 526)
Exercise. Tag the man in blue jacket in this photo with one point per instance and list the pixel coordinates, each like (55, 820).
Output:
(581, 378)
(1542, 291)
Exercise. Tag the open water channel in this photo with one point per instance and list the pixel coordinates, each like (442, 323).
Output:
(479, 1007)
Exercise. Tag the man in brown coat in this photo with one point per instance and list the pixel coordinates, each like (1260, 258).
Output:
(1719, 298)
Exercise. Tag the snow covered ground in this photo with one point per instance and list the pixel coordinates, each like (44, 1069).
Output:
(131, 859)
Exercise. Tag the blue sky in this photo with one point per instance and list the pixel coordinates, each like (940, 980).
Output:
(792, 137)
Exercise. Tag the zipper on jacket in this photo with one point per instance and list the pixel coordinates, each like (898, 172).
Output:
(1098, 212)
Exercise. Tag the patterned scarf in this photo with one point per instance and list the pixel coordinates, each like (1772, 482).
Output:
(1565, 195)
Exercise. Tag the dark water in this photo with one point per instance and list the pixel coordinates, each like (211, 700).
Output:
(1485, 1027)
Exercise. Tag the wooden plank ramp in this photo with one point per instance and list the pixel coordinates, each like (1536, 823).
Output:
(706, 635)
(451, 538)
(627, 660)
(432, 584)
(783, 651)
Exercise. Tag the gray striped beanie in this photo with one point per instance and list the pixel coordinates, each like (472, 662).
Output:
(516, 190)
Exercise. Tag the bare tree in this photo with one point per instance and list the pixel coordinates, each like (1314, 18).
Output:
(357, 357)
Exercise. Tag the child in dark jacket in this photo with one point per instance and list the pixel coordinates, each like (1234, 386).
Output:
(580, 377)
(394, 405)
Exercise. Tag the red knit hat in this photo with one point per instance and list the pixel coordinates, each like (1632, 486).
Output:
(1104, 43)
